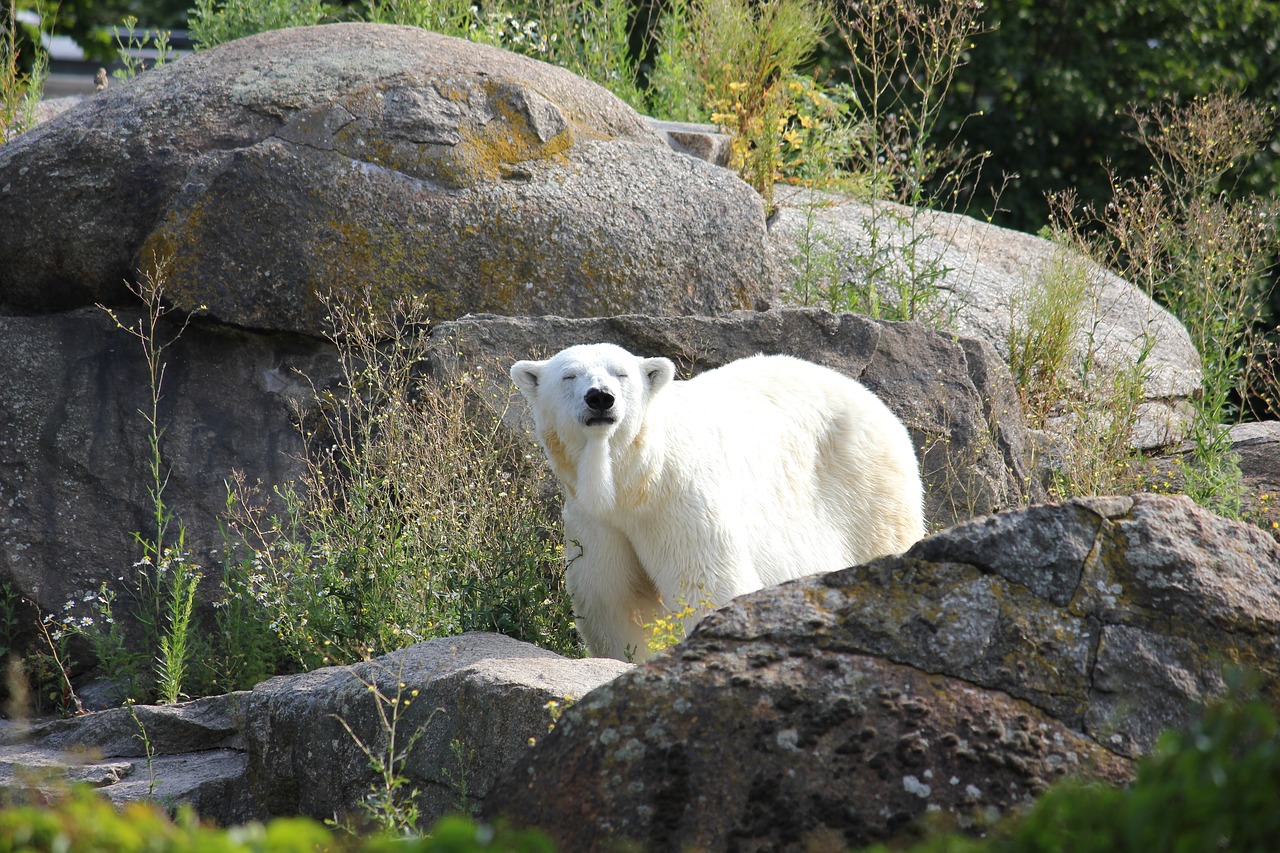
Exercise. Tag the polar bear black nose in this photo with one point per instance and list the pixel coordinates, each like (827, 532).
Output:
(599, 401)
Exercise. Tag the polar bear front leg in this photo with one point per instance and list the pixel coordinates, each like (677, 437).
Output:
(612, 596)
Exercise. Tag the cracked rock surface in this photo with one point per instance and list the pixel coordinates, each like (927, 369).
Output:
(988, 661)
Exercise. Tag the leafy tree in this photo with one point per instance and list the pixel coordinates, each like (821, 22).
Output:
(1053, 83)
(89, 22)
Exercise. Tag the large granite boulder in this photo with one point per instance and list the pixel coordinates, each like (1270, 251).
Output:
(988, 661)
(75, 452)
(277, 167)
(474, 703)
(983, 273)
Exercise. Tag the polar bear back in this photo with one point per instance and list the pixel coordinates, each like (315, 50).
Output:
(817, 466)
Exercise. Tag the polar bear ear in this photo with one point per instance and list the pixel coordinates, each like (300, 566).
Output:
(657, 373)
(526, 375)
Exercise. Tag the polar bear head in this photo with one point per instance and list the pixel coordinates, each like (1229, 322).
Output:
(592, 390)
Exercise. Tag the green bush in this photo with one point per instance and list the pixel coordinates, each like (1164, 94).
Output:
(84, 822)
(213, 22)
(419, 516)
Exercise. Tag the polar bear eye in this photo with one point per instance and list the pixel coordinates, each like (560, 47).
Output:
(568, 377)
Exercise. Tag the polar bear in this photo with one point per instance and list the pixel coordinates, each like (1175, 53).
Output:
(689, 493)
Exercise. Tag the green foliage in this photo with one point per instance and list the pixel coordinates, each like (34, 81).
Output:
(903, 58)
(128, 47)
(419, 515)
(1043, 334)
(390, 805)
(745, 59)
(447, 17)
(84, 822)
(1052, 83)
(21, 79)
(212, 22)
(1178, 235)
(163, 583)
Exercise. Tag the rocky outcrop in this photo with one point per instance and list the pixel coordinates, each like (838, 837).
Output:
(73, 466)
(273, 168)
(469, 707)
(983, 275)
(988, 661)
(73, 461)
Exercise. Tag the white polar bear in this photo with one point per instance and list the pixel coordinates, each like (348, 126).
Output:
(691, 493)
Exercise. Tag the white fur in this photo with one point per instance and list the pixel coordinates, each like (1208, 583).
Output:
(763, 470)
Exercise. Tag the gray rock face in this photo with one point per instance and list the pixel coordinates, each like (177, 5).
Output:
(483, 692)
(197, 756)
(281, 749)
(982, 271)
(356, 156)
(74, 452)
(1257, 447)
(991, 659)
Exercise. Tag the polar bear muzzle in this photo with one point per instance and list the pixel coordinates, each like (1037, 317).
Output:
(599, 407)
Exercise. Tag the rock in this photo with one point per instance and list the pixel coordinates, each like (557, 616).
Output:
(956, 396)
(481, 698)
(1257, 449)
(993, 658)
(282, 749)
(703, 141)
(355, 156)
(191, 753)
(982, 271)
(74, 446)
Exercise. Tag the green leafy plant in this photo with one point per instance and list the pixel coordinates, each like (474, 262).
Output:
(391, 805)
(746, 58)
(1189, 244)
(1090, 406)
(213, 22)
(129, 46)
(464, 759)
(20, 90)
(164, 581)
(448, 17)
(419, 514)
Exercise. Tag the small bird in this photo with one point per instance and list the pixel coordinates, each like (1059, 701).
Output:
(100, 80)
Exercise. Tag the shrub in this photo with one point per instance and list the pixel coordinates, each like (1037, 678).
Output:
(213, 22)
(1181, 237)
(84, 822)
(20, 90)
(419, 514)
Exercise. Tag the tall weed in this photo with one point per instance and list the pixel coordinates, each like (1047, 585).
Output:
(1180, 235)
(419, 516)
(20, 90)
(746, 57)
(162, 585)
